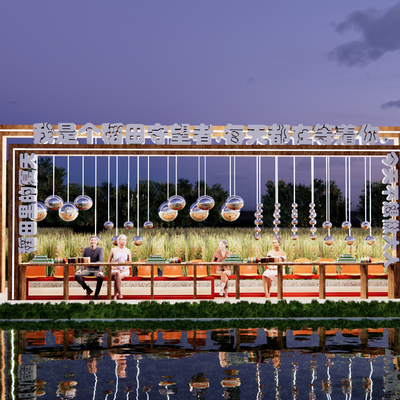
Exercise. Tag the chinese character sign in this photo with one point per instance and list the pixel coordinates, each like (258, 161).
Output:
(390, 208)
(233, 135)
(27, 211)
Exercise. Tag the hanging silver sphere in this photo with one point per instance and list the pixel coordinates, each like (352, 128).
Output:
(295, 214)
(365, 225)
(313, 229)
(313, 221)
(294, 205)
(327, 225)
(98, 238)
(235, 203)
(83, 203)
(197, 214)
(346, 225)
(53, 202)
(313, 236)
(108, 225)
(329, 240)
(257, 236)
(138, 240)
(176, 203)
(313, 214)
(295, 229)
(166, 213)
(257, 228)
(260, 206)
(205, 202)
(350, 240)
(148, 225)
(258, 221)
(277, 205)
(294, 236)
(294, 221)
(370, 240)
(114, 240)
(228, 214)
(276, 229)
(258, 215)
(128, 225)
(276, 236)
(311, 205)
(276, 221)
(68, 212)
(276, 214)
(41, 212)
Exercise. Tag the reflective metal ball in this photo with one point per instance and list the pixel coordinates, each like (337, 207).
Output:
(176, 203)
(166, 213)
(276, 214)
(257, 228)
(114, 240)
(83, 203)
(313, 236)
(128, 225)
(205, 202)
(234, 203)
(294, 236)
(313, 214)
(197, 214)
(295, 214)
(370, 240)
(276, 229)
(41, 212)
(294, 221)
(311, 205)
(68, 212)
(148, 225)
(138, 240)
(277, 205)
(350, 240)
(365, 225)
(53, 202)
(327, 225)
(295, 229)
(258, 221)
(313, 229)
(257, 236)
(228, 214)
(346, 225)
(98, 238)
(108, 225)
(294, 205)
(329, 240)
(260, 206)
(276, 221)
(313, 221)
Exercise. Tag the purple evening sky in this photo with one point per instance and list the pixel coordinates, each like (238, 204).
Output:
(213, 62)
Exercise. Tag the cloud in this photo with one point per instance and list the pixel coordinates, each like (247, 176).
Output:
(391, 104)
(380, 34)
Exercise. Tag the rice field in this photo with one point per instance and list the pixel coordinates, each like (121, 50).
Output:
(200, 243)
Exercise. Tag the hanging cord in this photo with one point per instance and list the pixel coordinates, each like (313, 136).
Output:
(312, 179)
(167, 177)
(198, 176)
(108, 188)
(83, 175)
(54, 173)
(328, 189)
(129, 173)
(257, 181)
(345, 188)
(95, 195)
(148, 188)
(365, 188)
(176, 175)
(294, 179)
(349, 197)
(230, 174)
(67, 178)
(137, 195)
(370, 199)
(205, 175)
(116, 195)
(276, 179)
(234, 175)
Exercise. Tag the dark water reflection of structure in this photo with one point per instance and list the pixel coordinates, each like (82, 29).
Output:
(232, 363)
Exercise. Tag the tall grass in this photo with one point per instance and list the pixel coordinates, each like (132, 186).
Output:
(203, 242)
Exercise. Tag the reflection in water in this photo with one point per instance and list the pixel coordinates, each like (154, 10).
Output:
(229, 363)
